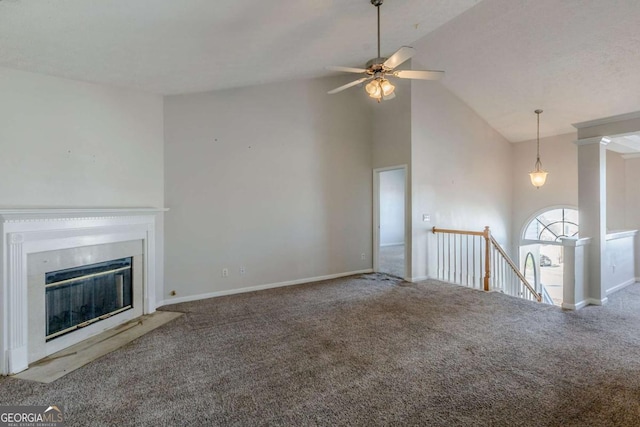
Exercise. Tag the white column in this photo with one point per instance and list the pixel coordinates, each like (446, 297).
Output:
(592, 205)
(150, 269)
(575, 277)
(17, 332)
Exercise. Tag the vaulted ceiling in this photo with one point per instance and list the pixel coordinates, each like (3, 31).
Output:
(576, 59)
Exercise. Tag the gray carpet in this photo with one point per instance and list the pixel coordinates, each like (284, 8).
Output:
(364, 350)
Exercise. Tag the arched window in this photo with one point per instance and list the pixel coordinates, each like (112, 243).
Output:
(552, 225)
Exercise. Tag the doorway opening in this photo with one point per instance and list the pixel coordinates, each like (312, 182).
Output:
(542, 249)
(390, 246)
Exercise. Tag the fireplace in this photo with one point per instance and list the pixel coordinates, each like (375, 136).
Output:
(80, 296)
(69, 274)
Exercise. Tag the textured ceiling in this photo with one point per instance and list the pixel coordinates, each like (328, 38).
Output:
(576, 59)
(169, 46)
(628, 144)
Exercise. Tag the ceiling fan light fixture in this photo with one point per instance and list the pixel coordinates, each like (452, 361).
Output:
(377, 95)
(372, 87)
(387, 87)
(374, 90)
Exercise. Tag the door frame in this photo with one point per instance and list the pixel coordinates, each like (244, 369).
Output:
(376, 217)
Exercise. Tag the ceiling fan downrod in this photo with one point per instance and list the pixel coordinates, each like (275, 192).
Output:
(377, 4)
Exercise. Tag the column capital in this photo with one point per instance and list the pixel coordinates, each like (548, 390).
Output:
(16, 238)
(604, 140)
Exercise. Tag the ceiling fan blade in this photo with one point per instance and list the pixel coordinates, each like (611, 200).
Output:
(419, 74)
(401, 55)
(348, 85)
(346, 69)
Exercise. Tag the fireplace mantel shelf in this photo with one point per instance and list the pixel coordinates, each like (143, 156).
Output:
(39, 212)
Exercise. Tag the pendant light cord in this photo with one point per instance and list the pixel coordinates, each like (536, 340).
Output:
(538, 157)
(538, 162)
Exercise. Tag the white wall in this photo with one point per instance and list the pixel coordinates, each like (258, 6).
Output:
(559, 155)
(619, 265)
(461, 170)
(274, 178)
(66, 143)
(392, 207)
(616, 191)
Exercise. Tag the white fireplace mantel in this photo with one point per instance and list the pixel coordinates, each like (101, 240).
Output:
(26, 231)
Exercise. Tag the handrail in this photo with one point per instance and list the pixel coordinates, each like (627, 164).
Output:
(460, 269)
(435, 230)
(515, 269)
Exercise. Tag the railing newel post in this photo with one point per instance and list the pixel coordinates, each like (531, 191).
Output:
(487, 257)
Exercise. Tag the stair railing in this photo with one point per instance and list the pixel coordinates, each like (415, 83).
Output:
(475, 259)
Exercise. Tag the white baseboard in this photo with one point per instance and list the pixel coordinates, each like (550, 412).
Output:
(584, 303)
(577, 306)
(260, 287)
(391, 244)
(417, 279)
(621, 286)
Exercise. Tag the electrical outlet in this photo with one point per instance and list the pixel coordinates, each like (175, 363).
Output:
(225, 272)
(243, 271)
(426, 217)
(363, 256)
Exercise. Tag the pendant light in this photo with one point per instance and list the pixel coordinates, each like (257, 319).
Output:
(539, 175)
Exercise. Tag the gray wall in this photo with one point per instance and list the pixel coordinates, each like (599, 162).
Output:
(632, 197)
(559, 155)
(71, 144)
(461, 171)
(616, 191)
(66, 143)
(391, 142)
(391, 126)
(623, 125)
(274, 178)
(632, 194)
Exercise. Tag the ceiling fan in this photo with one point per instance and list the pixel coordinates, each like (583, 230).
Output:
(378, 69)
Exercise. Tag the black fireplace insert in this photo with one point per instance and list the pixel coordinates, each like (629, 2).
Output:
(77, 297)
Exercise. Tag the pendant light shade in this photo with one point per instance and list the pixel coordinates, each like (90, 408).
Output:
(538, 175)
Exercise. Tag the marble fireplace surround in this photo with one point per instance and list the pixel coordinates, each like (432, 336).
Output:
(29, 231)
